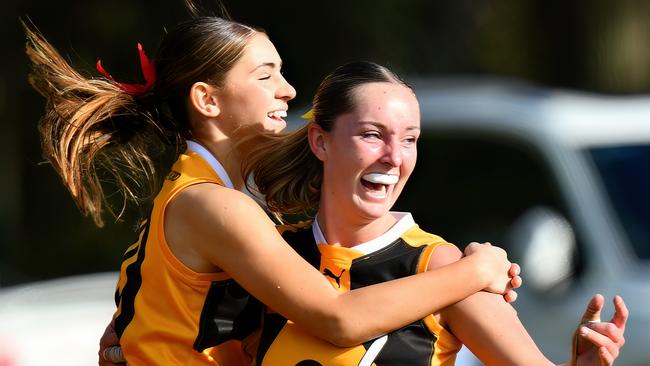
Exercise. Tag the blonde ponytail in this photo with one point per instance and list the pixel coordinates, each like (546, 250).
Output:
(91, 132)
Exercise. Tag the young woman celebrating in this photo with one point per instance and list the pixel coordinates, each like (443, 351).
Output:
(359, 149)
(180, 296)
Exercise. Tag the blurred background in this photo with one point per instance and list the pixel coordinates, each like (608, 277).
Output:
(534, 118)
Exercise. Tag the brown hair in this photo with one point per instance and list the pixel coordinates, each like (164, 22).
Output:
(283, 167)
(93, 131)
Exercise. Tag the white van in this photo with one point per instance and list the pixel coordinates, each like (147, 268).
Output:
(560, 179)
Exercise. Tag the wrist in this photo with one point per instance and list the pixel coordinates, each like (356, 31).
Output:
(480, 270)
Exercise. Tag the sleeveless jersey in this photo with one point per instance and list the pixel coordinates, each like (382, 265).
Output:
(167, 313)
(402, 251)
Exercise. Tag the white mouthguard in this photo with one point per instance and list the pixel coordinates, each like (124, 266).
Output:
(379, 178)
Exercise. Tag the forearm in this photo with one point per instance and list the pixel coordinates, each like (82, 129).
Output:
(369, 312)
(275, 274)
(490, 328)
(350, 318)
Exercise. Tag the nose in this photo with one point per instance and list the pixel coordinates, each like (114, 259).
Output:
(392, 153)
(285, 92)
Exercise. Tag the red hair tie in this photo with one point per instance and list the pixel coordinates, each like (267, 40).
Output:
(148, 71)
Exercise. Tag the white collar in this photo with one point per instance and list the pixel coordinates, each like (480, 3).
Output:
(194, 146)
(404, 222)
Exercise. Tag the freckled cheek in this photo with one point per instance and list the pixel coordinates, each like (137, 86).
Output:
(409, 159)
(371, 153)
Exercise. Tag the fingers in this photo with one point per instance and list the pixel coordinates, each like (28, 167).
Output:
(104, 362)
(510, 296)
(620, 314)
(109, 338)
(516, 282)
(609, 330)
(592, 314)
(471, 248)
(474, 246)
(601, 340)
(108, 348)
(515, 270)
(605, 358)
(113, 354)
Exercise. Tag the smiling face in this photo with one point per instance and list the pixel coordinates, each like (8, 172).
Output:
(254, 92)
(370, 152)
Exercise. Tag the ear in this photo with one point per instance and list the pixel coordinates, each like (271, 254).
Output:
(203, 99)
(318, 141)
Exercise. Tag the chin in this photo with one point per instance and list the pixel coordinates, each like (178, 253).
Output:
(274, 126)
(374, 213)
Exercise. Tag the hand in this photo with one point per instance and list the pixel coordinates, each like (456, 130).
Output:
(599, 343)
(503, 276)
(109, 340)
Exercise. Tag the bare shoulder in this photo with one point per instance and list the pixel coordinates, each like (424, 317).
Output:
(207, 225)
(205, 192)
(210, 201)
(443, 255)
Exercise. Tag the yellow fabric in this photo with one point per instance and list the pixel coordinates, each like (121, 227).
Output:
(169, 301)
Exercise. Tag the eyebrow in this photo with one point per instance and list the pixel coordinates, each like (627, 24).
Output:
(272, 65)
(380, 125)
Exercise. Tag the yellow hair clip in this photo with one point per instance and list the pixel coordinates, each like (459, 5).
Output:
(309, 114)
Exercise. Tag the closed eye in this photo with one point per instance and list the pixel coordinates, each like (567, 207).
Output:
(371, 135)
(410, 140)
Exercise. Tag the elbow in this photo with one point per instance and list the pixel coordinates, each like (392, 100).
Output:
(346, 340)
(343, 331)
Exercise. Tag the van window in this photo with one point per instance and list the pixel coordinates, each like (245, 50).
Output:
(625, 173)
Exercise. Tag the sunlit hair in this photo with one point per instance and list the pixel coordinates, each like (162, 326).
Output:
(93, 132)
(282, 167)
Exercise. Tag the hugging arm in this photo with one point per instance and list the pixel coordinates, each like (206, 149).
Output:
(256, 256)
(233, 233)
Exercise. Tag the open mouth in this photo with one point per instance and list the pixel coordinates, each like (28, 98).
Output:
(378, 183)
(277, 115)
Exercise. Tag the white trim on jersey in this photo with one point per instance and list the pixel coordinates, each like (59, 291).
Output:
(373, 351)
(404, 222)
(214, 163)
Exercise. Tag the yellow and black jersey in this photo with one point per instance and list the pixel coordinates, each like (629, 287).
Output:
(402, 251)
(168, 314)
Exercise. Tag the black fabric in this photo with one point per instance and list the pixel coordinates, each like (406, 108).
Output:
(229, 312)
(411, 345)
(302, 241)
(394, 261)
(132, 285)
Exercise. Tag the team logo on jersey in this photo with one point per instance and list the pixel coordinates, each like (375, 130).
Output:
(173, 175)
(336, 278)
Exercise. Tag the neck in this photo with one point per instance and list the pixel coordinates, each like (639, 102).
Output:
(222, 148)
(347, 231)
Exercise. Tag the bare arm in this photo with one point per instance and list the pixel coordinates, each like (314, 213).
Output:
(490, 328)
(485, 323)
(231, 232)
